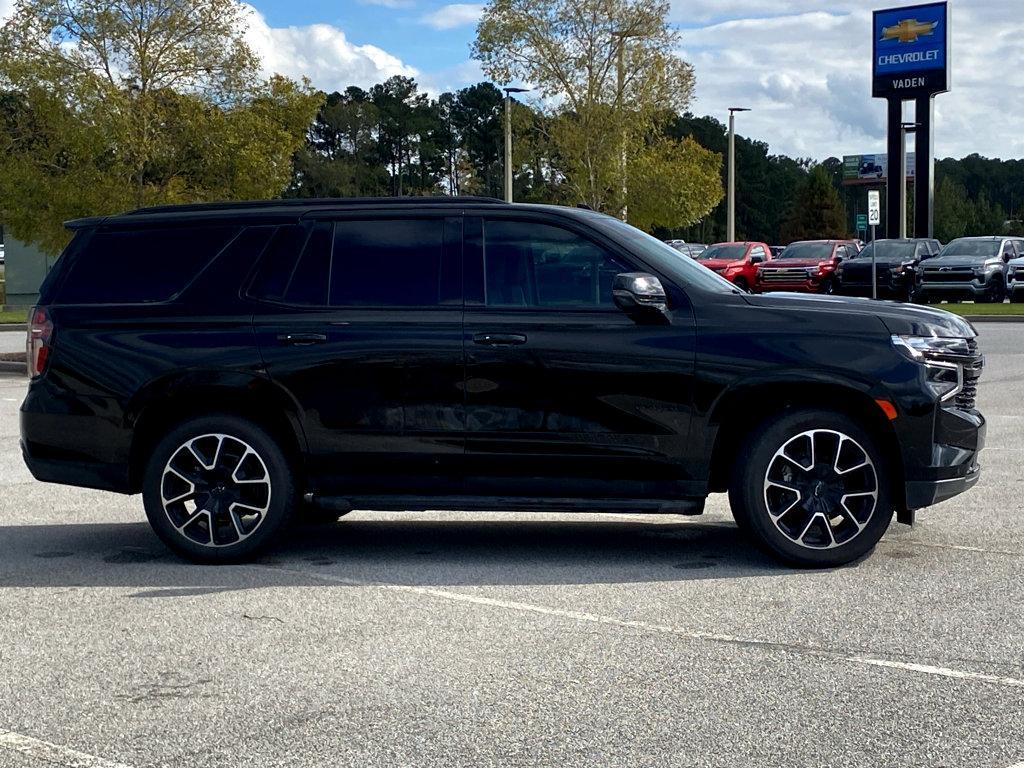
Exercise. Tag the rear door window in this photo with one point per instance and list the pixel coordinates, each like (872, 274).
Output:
(387, 263)
(151, 264)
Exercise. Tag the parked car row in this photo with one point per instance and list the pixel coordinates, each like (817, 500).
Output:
(982, 269)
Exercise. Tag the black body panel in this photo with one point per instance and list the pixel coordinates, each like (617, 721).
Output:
(472, 403)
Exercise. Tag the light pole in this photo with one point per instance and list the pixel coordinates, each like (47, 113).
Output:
(508, 139)
(731, 221)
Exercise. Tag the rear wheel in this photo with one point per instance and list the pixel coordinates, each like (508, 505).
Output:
(218, 489)
(811, 488)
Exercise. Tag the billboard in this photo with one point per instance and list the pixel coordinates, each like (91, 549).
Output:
(867, 169)
(910, 51)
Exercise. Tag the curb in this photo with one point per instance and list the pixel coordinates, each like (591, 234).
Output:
(994, 318)
(12, 367)
(14, 327)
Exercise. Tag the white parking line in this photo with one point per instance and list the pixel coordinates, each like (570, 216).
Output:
(43, 752)
(651, 627)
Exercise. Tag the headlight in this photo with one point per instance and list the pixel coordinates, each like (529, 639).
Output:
(908, 265)
(944, 376)
(986, 269)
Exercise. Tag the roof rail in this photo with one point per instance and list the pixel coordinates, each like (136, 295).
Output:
(230, 205)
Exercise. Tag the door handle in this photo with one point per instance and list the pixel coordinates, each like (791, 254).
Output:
(499, 339)
(302, 338)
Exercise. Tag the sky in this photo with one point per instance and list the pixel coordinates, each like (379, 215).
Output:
(802, 66)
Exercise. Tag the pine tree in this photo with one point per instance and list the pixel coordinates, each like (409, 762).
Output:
(817, 210)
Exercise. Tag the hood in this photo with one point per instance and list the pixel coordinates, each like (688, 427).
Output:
(1018, 262)
(716, 264)
(865, 261)
(783, 263)
(958, 260)
(899, 318)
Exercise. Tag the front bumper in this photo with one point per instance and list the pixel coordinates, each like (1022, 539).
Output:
(974, 288)
(1014, 285)
(954, 463)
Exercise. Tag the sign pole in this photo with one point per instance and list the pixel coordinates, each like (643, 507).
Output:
(874, 266)
(874, 218)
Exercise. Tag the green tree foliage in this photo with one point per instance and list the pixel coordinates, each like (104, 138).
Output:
(610, 67)
(111, 105)
(816, 211)
(765, 184)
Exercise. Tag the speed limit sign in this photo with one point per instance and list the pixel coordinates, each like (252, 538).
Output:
(874, 207)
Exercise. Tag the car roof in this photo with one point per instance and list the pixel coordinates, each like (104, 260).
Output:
(299, 207)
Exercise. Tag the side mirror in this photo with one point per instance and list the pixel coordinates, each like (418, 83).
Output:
(641, 296)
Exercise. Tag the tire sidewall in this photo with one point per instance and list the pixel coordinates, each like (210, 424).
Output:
(747, 491)
(282, 497)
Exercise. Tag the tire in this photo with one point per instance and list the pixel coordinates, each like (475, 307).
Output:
(219, 474)
(828, 287)
(741, 284)
(838, 517)
(1017, 296)
(995, 293)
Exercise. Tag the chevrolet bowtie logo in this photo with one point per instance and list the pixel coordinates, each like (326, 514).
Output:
(908, 30)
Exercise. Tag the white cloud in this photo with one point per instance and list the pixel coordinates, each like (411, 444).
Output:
(806, 74)
(322, 53)
(453, 15)
(6, 7)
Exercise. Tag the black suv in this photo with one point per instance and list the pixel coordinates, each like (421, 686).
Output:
(236, 363)
(897, 265)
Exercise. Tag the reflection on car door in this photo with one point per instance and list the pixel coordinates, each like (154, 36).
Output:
(364, 332)
(565, 395)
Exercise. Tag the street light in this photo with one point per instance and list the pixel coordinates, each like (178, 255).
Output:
(731, 221)
(508, 139)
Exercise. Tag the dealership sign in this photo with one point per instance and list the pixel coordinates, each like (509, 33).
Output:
(910, 51)
(865, 169)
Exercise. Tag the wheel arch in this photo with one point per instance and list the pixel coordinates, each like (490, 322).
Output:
(742, 409)
(163, 404)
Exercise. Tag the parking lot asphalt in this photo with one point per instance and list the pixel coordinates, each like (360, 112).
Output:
(469, 639)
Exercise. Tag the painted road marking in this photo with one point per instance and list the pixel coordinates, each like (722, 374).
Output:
(43, 752)
(601, 619)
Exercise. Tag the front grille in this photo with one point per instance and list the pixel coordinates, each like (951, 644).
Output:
(785, 275)
(968, 395)
(950, 275)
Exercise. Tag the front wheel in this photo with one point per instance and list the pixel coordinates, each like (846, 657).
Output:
(218, 489)
(828, 286)
(811, 488)
(741, 284)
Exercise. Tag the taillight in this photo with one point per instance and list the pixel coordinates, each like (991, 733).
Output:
(40, 336)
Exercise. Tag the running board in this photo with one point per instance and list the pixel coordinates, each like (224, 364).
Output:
(511, 504)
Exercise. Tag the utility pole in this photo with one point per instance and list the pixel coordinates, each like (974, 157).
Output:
(508, 139)
(731, 221)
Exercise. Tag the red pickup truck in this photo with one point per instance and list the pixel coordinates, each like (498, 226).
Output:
(736, 262)
(807, 265)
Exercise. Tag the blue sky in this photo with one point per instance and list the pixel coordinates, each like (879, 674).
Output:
(801, 65)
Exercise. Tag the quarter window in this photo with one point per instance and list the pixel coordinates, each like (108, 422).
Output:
(528, 264)
(142, 265)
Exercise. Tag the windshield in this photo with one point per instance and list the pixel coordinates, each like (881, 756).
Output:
(889, 249)
(970, 247)
(807, 250)
(732, 253)
(663, 257)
